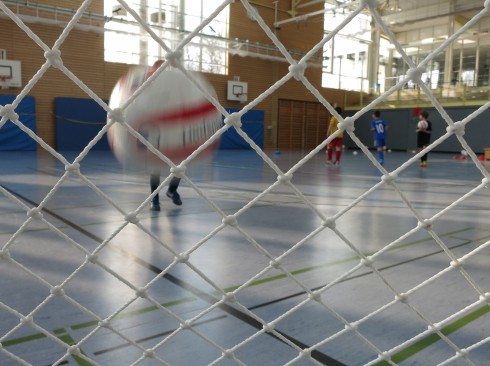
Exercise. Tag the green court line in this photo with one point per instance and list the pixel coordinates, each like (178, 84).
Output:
(13, 342)
(433, 338)
(230, 289)
(16, 341)
(341, 261)
(135, 312)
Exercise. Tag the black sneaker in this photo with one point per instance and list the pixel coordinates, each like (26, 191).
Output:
(155, 206)
(175, 198)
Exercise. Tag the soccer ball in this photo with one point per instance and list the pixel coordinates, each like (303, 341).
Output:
(171, 113)
(422, 124)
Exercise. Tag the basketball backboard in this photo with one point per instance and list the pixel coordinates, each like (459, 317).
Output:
(11, 69)
(237, 91)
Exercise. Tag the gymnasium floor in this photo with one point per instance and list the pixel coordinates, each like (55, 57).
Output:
(39, 258)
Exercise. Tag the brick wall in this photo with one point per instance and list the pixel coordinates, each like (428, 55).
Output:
(83, 54)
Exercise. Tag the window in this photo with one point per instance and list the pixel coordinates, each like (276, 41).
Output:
(171, 20)
(345, 55)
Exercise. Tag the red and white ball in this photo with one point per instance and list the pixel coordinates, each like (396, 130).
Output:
(171, 113)
(422, 124)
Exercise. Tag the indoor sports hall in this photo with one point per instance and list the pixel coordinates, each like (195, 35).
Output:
(243, 182)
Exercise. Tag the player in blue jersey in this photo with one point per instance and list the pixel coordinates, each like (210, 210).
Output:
(379, 127)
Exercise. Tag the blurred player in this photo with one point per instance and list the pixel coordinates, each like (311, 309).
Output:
(336, 142)
(155, 174)
(379, 127)
(424, 130)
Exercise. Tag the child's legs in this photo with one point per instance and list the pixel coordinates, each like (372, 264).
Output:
(338, 148)
(154, 183)
(329, 151)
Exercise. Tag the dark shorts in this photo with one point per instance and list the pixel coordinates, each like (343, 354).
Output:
(423, 139)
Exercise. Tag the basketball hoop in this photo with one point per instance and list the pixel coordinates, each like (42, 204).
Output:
(241, 97)
(5, 81)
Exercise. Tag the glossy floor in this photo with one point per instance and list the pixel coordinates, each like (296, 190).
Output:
(150, 289)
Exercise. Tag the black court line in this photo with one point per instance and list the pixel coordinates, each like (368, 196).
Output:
(359, 276)
(315, 354)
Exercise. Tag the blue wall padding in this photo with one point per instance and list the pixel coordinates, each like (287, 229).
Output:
(401, 129)
(11, 136)
(252, 124)
(78, 120)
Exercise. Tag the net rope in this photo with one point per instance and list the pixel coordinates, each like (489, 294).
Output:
(223, 297)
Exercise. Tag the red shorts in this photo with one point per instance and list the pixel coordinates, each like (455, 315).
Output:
(336, 142)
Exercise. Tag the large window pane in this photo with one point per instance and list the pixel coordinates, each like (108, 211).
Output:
(171, 20)
(345, 55)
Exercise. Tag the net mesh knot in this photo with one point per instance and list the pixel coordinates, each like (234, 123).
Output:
(57, 291)
(105, 324)
(457, 128)
(35, 213)
(305, 352)
(367, 262)
(298, 70)
(149, 353)
(269, 328)
(433, 328)
(228, 354)
(275, 263)
(233, 120)
(351, 326)
(74, 350)
(415, 74)
(487, 5)
(141, 292)
(230, 220)
(347, 124)
(73, 169)
(329, 222)
(26, 320)
(315, 296)
(54, 58)
(229, 297)
(186, 325)
(132, 218)
(92, 258)
(8, 112)
(284, 178)
(175, 58)
(401, 298)
(182, 257)
(456, 263)
(116, 115)
(385, 356)
(485, 182)
(462, 353)
(485, 297)
(178, 171)
(425, 224)
(389, 178)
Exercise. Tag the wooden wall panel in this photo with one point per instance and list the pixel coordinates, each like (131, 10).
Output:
(83, 54)
(302, 125)
(316, 123)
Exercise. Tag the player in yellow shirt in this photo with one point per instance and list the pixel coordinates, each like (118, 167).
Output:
(336, 142)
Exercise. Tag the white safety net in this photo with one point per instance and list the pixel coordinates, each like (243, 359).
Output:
(302, 348)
